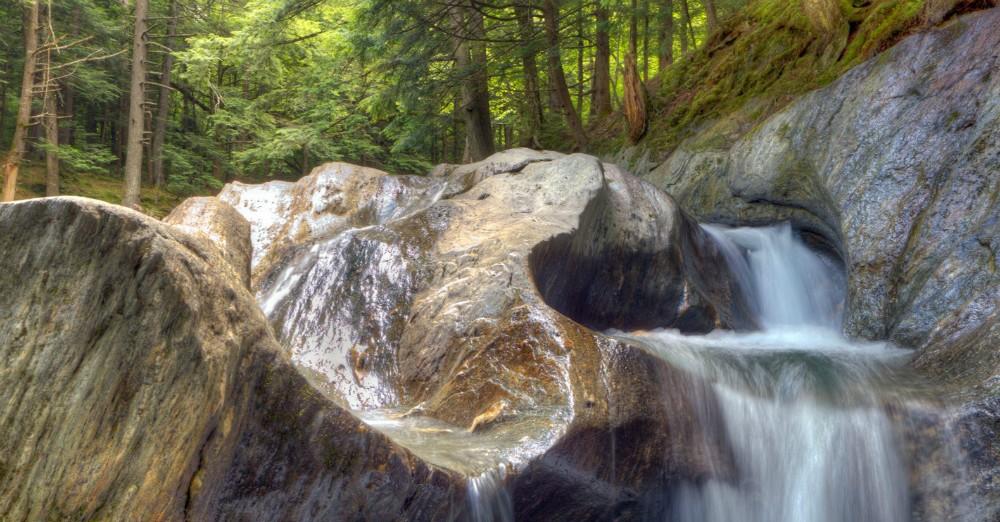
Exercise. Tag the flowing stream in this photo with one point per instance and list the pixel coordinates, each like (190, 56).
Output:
(802, 408)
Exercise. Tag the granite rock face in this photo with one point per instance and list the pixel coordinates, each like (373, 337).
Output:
(462, 311)
(220, 224)
(142, 382)
(437, 308)
(896, 168)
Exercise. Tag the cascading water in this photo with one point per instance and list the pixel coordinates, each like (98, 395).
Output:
(799, 404)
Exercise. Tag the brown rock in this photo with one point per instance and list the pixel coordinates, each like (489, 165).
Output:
(144, 384)
(221, 224)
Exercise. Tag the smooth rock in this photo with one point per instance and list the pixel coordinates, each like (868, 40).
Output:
(143, 383)
(444, 312)
(895, 167)
(331, 199)
(221, 224)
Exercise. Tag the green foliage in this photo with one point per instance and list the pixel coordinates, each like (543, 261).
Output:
(89, 158)
(763, 57)
(271, 88)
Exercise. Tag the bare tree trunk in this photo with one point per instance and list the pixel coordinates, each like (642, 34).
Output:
(666, 54)
(533, 105)
(305, 159)
(712, 15)
(550, 13)
(3, 109)
(689, 23)
(163, 104)
(685, 21)
(633, 29)
(17, 146)
(51, 123)
(579, 61)
(133, 152)
(470, 61)
(67, 132)
(601, 98)
(50, 118)
(635, 101)
(645, 40)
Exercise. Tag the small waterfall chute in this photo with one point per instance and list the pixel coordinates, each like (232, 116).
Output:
(800, 403)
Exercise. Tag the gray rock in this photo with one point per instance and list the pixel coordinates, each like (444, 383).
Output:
(333, 198)
(461, 178)
(220, 224)
(895, 166)
(141, 383)
(462, 312)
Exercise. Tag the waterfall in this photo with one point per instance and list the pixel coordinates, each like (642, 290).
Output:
(789, 285)
(798, 403)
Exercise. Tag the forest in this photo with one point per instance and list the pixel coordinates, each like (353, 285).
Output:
(168, 98)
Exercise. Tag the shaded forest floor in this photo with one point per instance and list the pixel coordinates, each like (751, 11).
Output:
(31, 184)
(157, 202)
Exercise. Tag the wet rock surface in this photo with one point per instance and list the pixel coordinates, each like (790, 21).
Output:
(143, 383)
(439, 312)
(333, 198)
(896, 167)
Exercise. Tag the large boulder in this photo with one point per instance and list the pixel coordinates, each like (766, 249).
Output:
(142, 382)
(465, 312)
(333, 198)
(220, 224)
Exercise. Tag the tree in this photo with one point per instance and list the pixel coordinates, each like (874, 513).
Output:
(533, 117)
(50, 115)
(713, 17)
(666, 54)
(600, 103)
(18, 144)
(550, 15)
(163, 104)
(470, 62)
(634, 103)
(136, 111)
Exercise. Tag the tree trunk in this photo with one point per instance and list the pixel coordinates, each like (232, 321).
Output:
(51, 123)
(633, 29)
(470, 61)
(163, 104)
(601, 98)
(305, 159)
(533, 105)
(645, 40)
(712, 15)
(635, 101)
(666, 54)
(3, 109)
(67, 131)
(689, 23)
(579, 62)
(50, 120)
(684, 27)
(133, 152)
(17, 146)
(550, 13)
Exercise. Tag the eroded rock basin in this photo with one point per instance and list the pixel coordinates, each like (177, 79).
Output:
(466, 328)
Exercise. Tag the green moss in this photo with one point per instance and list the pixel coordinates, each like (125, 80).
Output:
(155, 201)
(768, 55)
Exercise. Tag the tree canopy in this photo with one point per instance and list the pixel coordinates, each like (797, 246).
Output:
(227, 89)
